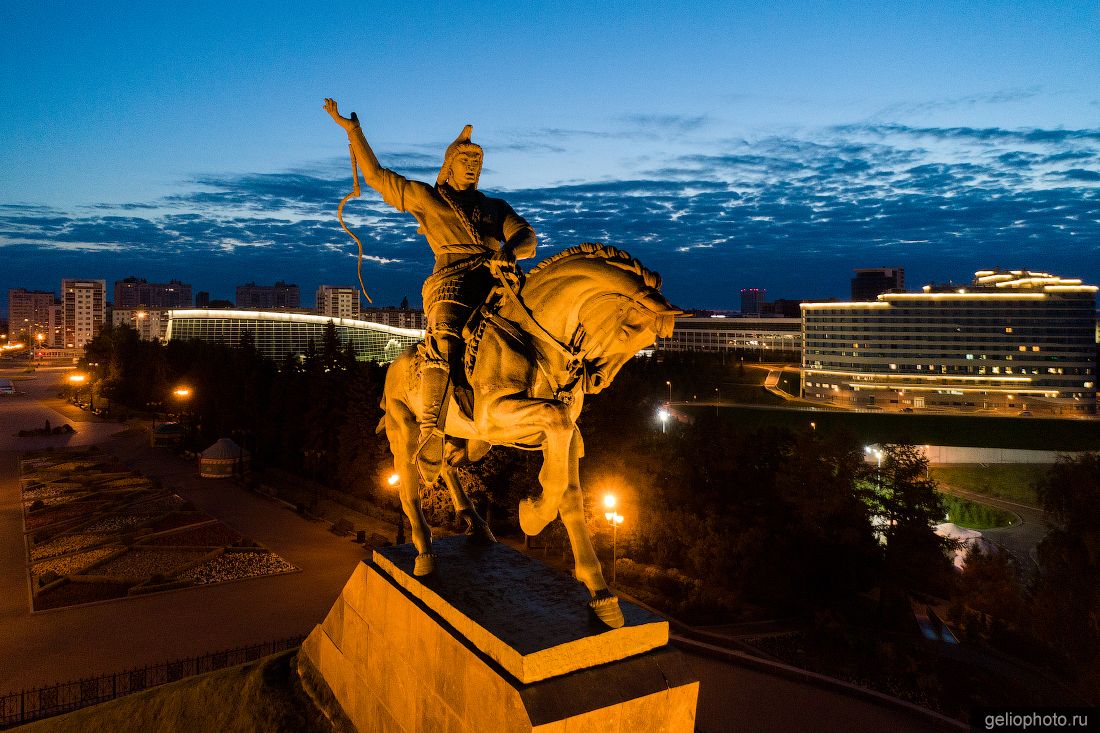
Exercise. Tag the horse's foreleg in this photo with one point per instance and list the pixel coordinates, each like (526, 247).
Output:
(476, 527)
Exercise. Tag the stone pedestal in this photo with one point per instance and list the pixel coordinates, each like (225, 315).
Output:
(492, 641)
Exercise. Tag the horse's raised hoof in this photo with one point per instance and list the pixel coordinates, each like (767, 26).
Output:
(530, 521)
(605, 608)
(425, 564)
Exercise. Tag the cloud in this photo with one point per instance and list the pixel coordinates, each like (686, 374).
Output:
(969, 101)
(792, 213)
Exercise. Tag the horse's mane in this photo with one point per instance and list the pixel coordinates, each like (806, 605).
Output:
(617, 257)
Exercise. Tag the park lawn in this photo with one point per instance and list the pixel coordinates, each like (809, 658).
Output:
(264, 696)
(974, 515)
(920, 429)
(1008, 481)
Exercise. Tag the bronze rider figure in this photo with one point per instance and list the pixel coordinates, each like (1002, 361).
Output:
(466, 230)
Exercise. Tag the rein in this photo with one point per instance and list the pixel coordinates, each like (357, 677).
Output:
(544, 339)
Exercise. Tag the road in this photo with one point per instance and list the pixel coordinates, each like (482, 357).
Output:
(1020, 539)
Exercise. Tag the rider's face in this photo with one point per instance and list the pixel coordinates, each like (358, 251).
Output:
(465, 170)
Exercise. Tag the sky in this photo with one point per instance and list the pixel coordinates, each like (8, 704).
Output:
(769, 145)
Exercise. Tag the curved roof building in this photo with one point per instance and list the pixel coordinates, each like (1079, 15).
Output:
(278, 333)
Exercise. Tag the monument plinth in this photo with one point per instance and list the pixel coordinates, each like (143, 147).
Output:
(492, 641)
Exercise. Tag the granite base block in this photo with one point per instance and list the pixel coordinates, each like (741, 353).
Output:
(481, 645)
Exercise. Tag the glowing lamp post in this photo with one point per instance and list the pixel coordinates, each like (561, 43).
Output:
(669, 384)
(663, 415)
(614, 519)
(76, 381)
(182, 394)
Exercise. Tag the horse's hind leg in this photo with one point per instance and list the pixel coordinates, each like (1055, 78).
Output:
(476, 527)
(402, 430)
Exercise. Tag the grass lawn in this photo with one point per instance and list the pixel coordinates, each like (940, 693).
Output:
(1008, 481)
(973, 515)
(958, 430)
(260, 697)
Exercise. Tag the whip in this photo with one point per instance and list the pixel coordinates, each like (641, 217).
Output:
(355, 192)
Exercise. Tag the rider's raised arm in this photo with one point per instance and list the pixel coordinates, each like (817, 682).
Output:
(390, 185)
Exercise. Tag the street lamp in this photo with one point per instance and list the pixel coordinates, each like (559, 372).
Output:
(614, 519)
(669, 383)
(182, 393)
(663, 415)
(75, 381)
(717, 400)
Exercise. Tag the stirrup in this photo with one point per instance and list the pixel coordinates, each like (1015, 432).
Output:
(429, 455)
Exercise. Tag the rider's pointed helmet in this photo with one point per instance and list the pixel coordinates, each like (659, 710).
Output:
(462, 143)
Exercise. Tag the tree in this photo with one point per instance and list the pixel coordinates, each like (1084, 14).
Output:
(1067, 598)
(905, 499)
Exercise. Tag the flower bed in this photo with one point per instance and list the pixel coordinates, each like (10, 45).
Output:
(71, 594)
(179, 519)
(70, 563)
(66, 544)
(236, 565)
(208, 535)
(41, 493)
(146, 562)
(118, 522)
(161, 504)
(57, 515)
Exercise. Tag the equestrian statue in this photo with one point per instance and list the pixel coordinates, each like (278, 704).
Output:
(507, 357)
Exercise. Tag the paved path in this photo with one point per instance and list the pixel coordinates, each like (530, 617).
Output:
(735, 697)
(1020, 539)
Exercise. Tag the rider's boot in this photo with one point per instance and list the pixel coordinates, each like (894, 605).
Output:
(429, 451)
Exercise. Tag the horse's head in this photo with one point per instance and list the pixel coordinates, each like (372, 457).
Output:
(617, 326)
(604, 303)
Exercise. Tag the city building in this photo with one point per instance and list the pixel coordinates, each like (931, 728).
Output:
(769, 338)
(268, 297)
(871, 282)
(84, 310)
(29, 315)
(136, 292)
(338, 301)
(752, 301)
(396, 317)
(277, 334)
(202, 299)
(1012, 342)
(782, 308)
(150, 323)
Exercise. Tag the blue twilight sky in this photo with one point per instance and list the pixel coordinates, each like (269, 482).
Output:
(775, 145)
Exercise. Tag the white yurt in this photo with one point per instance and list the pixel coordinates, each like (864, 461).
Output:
(223, 459)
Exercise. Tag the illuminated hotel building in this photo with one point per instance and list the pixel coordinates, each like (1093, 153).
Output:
(277, 334)
(1013, 341)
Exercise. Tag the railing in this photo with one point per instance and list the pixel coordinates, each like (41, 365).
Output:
(44, 702)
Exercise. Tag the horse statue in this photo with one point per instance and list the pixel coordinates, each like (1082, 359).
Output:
(532, 355)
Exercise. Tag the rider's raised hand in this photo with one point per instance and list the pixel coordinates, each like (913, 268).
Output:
(348, 123)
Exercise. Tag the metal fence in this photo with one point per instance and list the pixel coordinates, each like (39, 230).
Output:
(44, 702)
